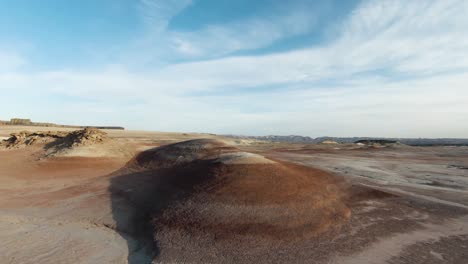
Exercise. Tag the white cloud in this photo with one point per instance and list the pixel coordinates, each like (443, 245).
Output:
(411, 37)
(398, 38)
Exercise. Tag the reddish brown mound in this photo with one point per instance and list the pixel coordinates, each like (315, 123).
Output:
(204, 191)
(262, 201)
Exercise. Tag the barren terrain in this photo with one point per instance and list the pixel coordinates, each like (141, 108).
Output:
(126, 199)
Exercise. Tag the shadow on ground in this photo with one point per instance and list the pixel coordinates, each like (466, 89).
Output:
(131, 214)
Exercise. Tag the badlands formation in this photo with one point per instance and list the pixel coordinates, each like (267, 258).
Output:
(114, 196)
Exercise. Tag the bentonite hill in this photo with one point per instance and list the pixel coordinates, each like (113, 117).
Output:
(206, 201)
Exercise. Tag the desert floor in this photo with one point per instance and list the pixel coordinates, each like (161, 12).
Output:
(67, 209)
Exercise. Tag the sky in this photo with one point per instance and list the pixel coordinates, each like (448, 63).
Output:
(393, 68)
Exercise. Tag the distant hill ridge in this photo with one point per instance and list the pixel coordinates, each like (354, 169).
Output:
(28, 122)
(406, 141)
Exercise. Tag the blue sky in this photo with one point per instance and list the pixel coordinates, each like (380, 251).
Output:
(340, 68)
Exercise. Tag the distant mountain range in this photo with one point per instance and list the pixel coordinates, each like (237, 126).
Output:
(406, 141)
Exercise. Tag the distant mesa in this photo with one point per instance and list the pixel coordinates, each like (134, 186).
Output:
(20, 121)
(28, 122)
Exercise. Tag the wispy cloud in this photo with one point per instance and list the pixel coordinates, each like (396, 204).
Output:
(219, 39)
(157, 14)
(392, 40)
(216, 40)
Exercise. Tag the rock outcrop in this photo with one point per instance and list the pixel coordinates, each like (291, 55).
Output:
(56, 141)
(24, 138)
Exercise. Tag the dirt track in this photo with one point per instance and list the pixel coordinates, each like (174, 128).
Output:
(407, 205)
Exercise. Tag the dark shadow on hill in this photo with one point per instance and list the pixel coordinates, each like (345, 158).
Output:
(139, 196)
